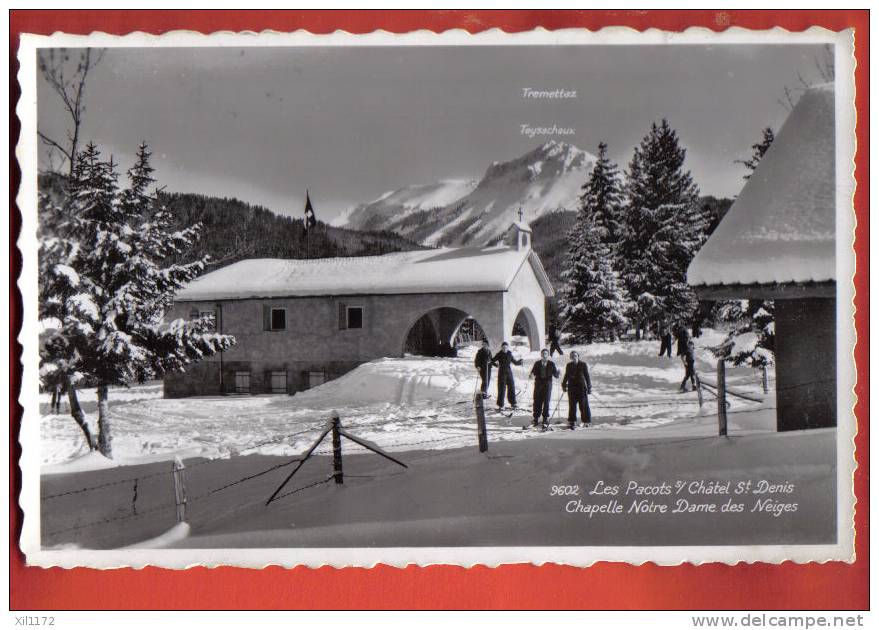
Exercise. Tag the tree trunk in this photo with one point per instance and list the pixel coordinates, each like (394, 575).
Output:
(79, 416)
(104, 437)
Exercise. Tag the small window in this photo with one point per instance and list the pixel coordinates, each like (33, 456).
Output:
(210, 317)
(355, 317)
(316, 378)
(242, 382)
(279, 382)
(279, 319)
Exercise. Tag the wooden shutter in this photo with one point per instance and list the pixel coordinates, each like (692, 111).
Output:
(266, 317)
(343, 316)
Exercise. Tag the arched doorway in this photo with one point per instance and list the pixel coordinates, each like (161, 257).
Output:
(440, 331)
(469, 332)
(525, 325)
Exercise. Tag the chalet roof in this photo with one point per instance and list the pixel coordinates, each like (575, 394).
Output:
(782, 227)
(447, 270)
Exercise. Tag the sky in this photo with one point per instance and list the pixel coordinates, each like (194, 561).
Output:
(348, 124)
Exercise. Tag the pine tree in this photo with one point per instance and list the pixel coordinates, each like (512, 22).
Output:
(758, 151)
(751, 338)
(592, 302)
(664, 227)
(602, 197)
(104, 288)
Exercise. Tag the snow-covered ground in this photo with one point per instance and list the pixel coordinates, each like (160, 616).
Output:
(644, 432)
(411, 403)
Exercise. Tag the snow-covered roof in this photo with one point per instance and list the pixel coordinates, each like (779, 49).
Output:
(447, 270)
(782, 227)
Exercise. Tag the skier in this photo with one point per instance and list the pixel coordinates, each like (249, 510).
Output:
(683, 338)
(578, 387)
(55, 405)
(665, 340)
(504, 361)
(697, 326)
(483, 366)
(689, 359)
(554, 342)
(543, 372)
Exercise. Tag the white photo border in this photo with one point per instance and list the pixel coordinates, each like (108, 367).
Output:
(581, 556)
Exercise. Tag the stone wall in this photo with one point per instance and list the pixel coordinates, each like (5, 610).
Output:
(316, 340)
(313, 340)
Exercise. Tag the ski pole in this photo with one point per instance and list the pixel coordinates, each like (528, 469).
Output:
(557, 403)
(524, 380)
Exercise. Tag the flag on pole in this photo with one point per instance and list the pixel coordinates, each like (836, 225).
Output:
(310, 220)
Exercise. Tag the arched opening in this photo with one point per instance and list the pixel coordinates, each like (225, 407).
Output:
(469, 332)
(440, 332)
(525, 325)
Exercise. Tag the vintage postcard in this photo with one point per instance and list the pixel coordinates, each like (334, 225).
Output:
(341, 300)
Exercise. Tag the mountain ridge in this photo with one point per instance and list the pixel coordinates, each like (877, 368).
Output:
(545, 179)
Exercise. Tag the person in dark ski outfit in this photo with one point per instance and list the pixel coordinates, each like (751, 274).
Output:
(578, 386)
(543, 372)
(554, 342)
(483, 366)
(689, 359)
(55, 405)
(664, 340)
(683, 338)
(504, 361)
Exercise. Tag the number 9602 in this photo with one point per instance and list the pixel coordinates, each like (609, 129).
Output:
(559, 491)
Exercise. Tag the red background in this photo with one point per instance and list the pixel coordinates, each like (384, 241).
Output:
(833, 585)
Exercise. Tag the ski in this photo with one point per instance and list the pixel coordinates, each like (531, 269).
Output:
(539, 428)
(501, 412)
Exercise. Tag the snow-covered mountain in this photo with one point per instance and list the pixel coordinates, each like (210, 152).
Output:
(457, 212)
(397, 204)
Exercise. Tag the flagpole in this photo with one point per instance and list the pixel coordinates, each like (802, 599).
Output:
(307, 231)
(310, 222)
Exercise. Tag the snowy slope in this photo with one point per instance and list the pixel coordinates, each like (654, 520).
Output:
(400, 203)
(546, 179)
(409, 403)
(450, 494)
(543, 180)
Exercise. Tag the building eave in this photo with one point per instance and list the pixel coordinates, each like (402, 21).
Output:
(339, 296)
(773, 291)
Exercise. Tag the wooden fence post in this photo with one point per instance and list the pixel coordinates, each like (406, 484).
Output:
(721, 397)
(765, 379)
(179, 489)
(480, 421)
(337, 451)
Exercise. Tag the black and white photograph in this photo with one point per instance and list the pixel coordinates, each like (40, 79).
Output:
(546, 297)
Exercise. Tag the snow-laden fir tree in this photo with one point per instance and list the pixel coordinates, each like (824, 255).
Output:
(602, 197)
(751, 338)
(664, 227)
(105, 286)
(592, 301)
